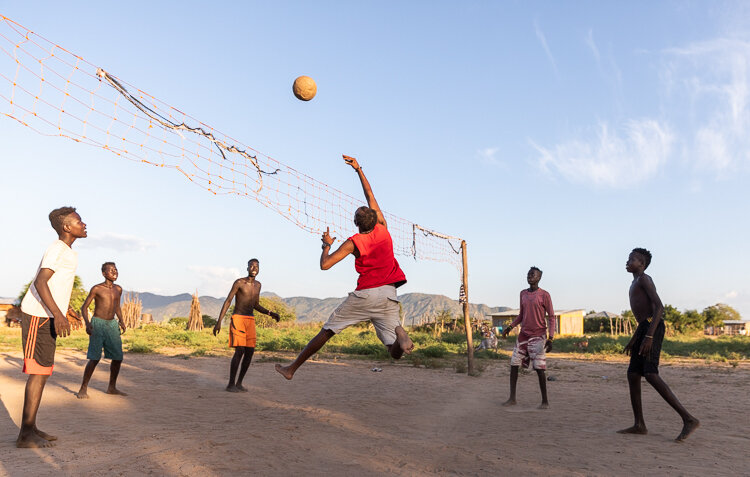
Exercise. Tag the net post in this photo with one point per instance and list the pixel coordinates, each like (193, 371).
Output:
(467, 320)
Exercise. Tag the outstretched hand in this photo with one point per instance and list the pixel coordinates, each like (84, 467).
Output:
(351, 161)
(275, 316)
(217, 328)
(327, 239)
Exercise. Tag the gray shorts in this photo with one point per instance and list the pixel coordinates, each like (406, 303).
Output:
(377, 305)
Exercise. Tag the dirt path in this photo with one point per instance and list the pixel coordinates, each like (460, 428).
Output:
(339, 418)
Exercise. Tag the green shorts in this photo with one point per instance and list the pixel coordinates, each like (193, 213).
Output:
(105, 334)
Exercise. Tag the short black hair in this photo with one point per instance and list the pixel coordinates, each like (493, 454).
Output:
(365, 218)
(57, 218)
(645, 254)
(253, 260)
(106, 264)
(537, 269)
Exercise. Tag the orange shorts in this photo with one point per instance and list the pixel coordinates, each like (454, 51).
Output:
(242, 331)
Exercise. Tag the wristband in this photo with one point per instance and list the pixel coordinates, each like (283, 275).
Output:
(326, 245)
(647, 336)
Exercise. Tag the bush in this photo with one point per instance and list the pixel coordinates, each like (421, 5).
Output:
(208, 321)
(179, 321)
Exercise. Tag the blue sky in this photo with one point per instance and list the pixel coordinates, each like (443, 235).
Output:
(553, 134)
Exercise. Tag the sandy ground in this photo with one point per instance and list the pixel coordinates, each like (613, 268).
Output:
(340, 418)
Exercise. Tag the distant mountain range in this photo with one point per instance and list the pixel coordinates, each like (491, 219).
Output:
(416, 306)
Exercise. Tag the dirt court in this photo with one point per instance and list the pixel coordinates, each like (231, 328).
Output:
(340, 418)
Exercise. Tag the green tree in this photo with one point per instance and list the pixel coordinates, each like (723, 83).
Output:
(274, 304)
(673, 317)
(208, 321)
(717, 314)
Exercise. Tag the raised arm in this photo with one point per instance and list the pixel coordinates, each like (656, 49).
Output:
(371, 202)
(327, 261)
(225, 306)
(62, 327)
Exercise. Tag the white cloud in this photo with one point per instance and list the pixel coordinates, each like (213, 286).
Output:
(488, 155)
(731, 294)
(714, 78)
(592, 45)
(611, 158)
(214, 280)
(543, 40)
(121, 243)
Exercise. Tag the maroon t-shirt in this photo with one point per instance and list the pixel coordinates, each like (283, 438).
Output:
(376, 264)
(533, 307)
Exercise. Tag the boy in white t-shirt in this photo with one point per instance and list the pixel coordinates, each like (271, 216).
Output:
(43, 321)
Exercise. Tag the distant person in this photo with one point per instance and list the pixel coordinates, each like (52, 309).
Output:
(535, 338)
(374, 299)
(644, 347)
(246, 293)
(103, 329)
(43, 321)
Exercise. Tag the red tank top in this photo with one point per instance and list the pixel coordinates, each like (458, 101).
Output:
(376, 264)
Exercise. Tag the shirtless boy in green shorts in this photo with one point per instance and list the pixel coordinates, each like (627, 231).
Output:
(103, 329)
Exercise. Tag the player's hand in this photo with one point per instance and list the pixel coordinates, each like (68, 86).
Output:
(217, 329)
(275, 316)
(506, 331)
(327, 239)
(646, 346)
(122, 327)
(548, 346)
(351, 161)
(88, 328)
(62, 326)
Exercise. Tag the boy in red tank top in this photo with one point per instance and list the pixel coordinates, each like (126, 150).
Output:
(374, 299)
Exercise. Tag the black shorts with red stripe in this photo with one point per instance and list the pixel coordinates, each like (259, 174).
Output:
(39, 342)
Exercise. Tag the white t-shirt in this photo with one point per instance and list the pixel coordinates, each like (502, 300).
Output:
(62, 260)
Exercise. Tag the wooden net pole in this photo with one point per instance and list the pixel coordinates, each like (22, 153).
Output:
(467, 320)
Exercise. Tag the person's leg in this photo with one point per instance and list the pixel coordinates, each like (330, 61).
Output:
(543, 388)
(634, 383)
(243, 368)
(312, 347)
(513, 381)
(114, 371)
(87, 372)
(29, 435)
(239, 352)
(403, 344)
(690, 423)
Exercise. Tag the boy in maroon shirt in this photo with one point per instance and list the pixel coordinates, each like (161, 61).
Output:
(535, 338)
(375, 298)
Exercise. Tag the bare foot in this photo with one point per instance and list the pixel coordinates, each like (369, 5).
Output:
(285, 371)
(241, 388)
(44, 435)
(638, 429)
(82, 394)
(688, 428)
(116, 391)
(509, 402)
(406, 344)
(232, 388)
(544, 405)
(32, 441)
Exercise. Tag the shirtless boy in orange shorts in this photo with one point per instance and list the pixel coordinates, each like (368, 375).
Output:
(246, 292)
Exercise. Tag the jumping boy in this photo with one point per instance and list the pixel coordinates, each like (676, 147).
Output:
(374, 299)
(43, 321)
(103, 330)
(645, 346)
(535, 338)
(246, 292)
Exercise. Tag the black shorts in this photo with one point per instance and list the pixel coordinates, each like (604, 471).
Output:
(39, 342)
(648, 364)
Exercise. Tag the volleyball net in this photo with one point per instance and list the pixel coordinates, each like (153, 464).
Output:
(57, 93)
